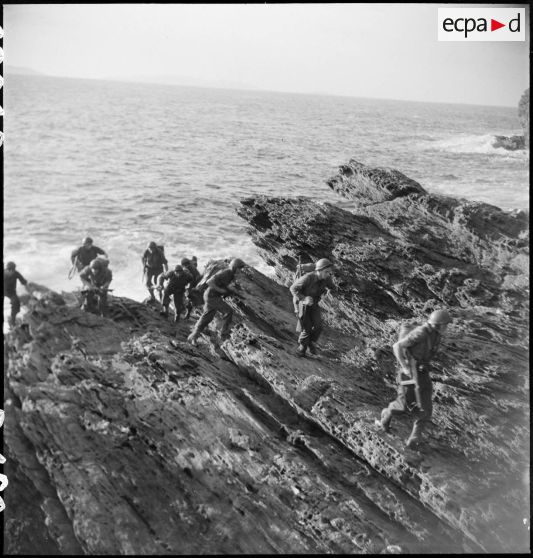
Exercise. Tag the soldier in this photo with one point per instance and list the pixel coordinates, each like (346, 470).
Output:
(192, 268)
(11, 275)
(85, 254)
(177, 280)
(308, 290)
(213, 303)
(97, 277)
(414, 353)
(154, 263)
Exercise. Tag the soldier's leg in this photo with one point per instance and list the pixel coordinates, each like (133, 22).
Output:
(423, 415)
(15, 308)
(227, 315)
(150, 275)
(102, 303)
(165, 302)
(404, 402)
(317, 324)
(207, 315)
(178, 304)
(307, 327)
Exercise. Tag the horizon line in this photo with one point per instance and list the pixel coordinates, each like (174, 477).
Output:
(146, 81)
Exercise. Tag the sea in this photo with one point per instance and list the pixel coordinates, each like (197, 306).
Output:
(128, 163)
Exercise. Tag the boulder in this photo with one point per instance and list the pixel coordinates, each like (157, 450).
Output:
(511, 143)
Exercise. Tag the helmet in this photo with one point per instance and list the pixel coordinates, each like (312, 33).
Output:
(96, 263)
(236, 263)
(87, 240)
(322, 264)
(194, 258)
(103, 260)
(185, 261)
(440, 317)
(178, 267)
(10, 265)
(152, 245)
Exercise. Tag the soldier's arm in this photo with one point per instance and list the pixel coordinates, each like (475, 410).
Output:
(401, 349)
(298, 286)
(401, 355)
(108, 281)
(100, 251)
(23, 282)
(85, 277)
(214, 285)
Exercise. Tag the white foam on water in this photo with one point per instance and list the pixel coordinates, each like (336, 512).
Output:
(482, 144)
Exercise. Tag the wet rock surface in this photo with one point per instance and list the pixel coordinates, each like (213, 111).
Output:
(511, 143)
(126, 439)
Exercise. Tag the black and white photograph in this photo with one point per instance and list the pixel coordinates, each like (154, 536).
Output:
(266, 278)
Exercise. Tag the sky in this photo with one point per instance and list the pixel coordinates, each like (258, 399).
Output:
(362, 50)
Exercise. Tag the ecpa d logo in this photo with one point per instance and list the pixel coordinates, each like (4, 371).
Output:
(481, 24)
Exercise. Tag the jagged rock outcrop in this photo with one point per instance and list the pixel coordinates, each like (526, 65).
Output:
(523, 115)
(126, 439)
(511, 143)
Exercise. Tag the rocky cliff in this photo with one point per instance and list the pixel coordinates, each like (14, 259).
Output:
(122, 438)
(523, 115)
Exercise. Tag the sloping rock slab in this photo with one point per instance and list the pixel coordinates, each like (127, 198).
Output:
(473, 474)
(131, 441)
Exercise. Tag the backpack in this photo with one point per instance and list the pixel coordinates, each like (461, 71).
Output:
(196, 294)
(406, 327)
(302, 269)
(161, 250)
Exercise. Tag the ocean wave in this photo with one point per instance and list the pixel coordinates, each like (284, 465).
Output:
(482, 144)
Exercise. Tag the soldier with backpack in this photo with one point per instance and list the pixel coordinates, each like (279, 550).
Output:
(414, 351)
(81, 257)
(217, 288)
(177, 280)
(308, 290)
(154, 263)
(192, 294)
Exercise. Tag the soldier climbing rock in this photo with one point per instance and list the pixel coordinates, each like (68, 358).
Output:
(96, 277)
(308, 290)
(154, 263)
(192, 268)
(176, 282)
(414, 353)
(81, 257)
(217, 288)
(11, 275)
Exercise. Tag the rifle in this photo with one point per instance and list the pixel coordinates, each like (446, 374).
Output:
(74, 267)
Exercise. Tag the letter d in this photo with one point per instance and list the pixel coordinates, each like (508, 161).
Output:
(517, 20)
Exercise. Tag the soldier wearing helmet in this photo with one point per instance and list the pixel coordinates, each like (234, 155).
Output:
(11, 275)
(191, 265)
(98, 276)
(85, 254)
(154, 263)
(308, 290)
(217, 287)
(414, 352)
(177, 280)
